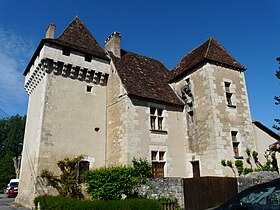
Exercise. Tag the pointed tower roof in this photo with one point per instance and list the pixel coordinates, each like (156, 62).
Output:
(210, 51)
(76, 36)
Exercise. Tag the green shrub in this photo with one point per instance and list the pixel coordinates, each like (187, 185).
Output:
(113, 182)
(65, 203)
(239, 166)
(66, 183)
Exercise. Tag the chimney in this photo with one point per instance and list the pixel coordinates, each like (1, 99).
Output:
(113, 44)
(50, 31)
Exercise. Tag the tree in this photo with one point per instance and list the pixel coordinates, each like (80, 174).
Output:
(277, 98)
(11, 142)
(66, 183)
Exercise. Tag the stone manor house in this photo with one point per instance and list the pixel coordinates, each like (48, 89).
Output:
(111, 105)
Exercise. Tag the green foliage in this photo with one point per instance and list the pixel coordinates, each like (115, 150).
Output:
(11, 142)
(228, 163)
(223, 162)
(247, 171)
(239, 166)
(142, 169)
(66, 183)
(269, 165)
(62, 203)
(113, 182)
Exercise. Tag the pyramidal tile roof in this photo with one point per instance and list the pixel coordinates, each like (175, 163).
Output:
(76, 36)
(210, 51)
(144, 77)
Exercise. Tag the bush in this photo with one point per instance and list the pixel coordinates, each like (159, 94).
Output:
(63, 203)
(113, 182)
(66, 184)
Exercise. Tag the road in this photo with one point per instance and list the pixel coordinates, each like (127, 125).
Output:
(7, 203)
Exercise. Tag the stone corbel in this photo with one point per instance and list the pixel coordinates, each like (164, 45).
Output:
(87, 76)
(95, 77)
(72, 72)
(80, 74)
(55, 67)
(102, 79)
(64, 70)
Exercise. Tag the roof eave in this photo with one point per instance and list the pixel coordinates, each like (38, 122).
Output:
(155, 100)
(42, 43)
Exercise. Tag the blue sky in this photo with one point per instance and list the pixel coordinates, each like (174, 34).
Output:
(161, 29)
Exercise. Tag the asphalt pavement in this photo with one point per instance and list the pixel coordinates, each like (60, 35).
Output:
(7, 203)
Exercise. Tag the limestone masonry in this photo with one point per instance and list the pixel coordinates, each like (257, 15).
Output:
(111, 105)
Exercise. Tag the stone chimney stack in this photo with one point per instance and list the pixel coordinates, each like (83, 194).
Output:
(50, 31)
(113, 44)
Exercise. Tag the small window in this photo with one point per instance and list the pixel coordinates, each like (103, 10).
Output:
(161, 155)
(233, 135)
(156, 119)
(66, 52)
(235, 144)
(235, 149)
(83, 166)
(88, 88)
(228, 96)
(158, 163)
(154, 155)
(227, 84)
(88, 58)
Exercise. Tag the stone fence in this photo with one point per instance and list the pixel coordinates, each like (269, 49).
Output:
(254, 178)
(164, 188)
(174, 187)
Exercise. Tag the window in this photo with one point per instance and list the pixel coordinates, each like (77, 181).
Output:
(83, 166)
(158, 162)
(88, 58)
(229, 94)
(235, 144)
(66, 52)
(156, 118)
(88, 88)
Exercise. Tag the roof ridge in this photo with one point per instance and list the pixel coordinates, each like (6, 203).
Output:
(208, 47)
(76, 17)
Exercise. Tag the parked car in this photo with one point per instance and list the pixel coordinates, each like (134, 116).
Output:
(259, 197)
(12, 183)
(13, 191)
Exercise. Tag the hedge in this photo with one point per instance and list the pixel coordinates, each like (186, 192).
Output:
(67, 203)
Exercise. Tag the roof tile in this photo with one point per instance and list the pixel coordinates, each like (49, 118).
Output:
(145, 77)
(210, 51)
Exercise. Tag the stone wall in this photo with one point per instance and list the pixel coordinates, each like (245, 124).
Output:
(167, 188)
(251, 179)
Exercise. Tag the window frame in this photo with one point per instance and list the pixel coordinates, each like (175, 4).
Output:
(157, 119)
(158, 163)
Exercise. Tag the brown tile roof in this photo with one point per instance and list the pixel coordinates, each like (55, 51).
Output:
(210, 51)
(144, 77)
(76, 37)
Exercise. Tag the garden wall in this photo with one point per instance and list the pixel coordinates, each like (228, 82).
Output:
(254, 178)
(164, 187)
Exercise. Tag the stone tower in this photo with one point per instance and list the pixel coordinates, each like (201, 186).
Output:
(218, 119)
(66, 81)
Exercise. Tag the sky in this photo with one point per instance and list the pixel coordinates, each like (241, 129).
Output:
(161, 29)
